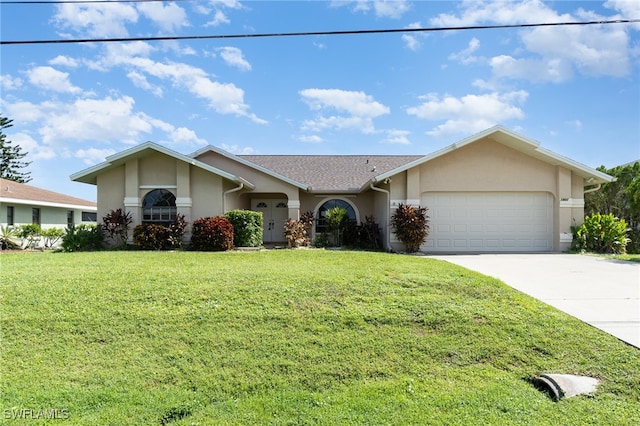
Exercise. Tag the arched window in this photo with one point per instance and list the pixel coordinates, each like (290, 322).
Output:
(159, 205)
(321, 222)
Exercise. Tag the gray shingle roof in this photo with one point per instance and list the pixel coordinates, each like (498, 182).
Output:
(331, 173)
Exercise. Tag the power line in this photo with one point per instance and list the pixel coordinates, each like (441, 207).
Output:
(316, 33)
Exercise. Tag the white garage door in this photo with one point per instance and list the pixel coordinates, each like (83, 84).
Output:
(489, 221)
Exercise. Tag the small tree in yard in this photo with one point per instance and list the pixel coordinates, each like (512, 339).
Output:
(11, 157)
(337, 219)
(116, 226)
(298, 232)
(411, 226)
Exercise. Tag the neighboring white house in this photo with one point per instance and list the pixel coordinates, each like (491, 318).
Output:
(22, 204)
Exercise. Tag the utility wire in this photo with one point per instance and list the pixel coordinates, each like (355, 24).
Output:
(314, 33)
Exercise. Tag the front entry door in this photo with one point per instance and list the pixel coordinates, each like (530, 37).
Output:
(274, 215)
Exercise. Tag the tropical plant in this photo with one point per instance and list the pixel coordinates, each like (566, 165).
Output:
(9, 239)
(115, 225)
(600, 233)
(337, 219)
(82, 237)
(51, 236)
(211, 234)
(411, 226)
(620, 198)
(298, 232)
(29, 234)
(247, 227)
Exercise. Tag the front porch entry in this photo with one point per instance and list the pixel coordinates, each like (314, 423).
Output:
(274, 215)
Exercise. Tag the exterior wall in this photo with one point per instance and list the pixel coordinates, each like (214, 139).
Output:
(489, 166)
(206, 193)
(50, 217)
(111, 190)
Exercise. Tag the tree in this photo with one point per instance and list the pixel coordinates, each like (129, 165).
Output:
(620, 198)
(11, 157)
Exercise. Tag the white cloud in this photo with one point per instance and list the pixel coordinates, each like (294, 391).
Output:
(391, 8)
(169, 17)
(235, 149)
(219, 18)
(184, 136)
(51, 79)
(552, 53)
(310, 139)
(140, 80)
(400, 137)
(64, 61)
(465, 56)
(8, 82)
(34, 150)
(553, 70)
(360, 110)
(93, 155)
(232, 56)
(470, 113)
(412, 40)
(382, 8)
(224, 98)
(576, 124)
(96, 20)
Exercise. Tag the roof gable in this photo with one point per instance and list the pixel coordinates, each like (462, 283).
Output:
(90, 175)
(515, 141)
(21, 193)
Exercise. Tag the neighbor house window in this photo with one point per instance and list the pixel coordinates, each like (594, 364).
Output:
(89, 216)
(35, 216)
(70, 221)
(321, 222)
(9, 215)
(159, 205)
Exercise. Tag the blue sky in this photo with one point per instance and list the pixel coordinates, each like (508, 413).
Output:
(575, 89)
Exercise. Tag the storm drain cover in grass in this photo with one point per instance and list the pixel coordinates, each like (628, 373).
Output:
(566, 385)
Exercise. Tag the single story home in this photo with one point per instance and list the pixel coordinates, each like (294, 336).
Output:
(22, 204)
(496, 191)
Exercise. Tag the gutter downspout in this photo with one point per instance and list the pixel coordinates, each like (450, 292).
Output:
(598, 186)
(388, 233)
(224, 196)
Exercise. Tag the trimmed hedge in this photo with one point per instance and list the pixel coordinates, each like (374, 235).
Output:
(150, 236)
(212, 234)
(247, 227)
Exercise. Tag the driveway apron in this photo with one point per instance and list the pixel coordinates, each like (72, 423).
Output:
(602, 292)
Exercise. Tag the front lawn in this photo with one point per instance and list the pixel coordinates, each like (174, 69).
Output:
(291, 337)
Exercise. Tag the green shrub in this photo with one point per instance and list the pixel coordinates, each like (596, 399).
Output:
(298, 232)
(115, 225)
(366, 236)
(321, 240)
(600, 233)
(212, 234)
(247, 227)
(51, 236)
(150, 236)
(29, 234)
(411, 226)
(82, 238)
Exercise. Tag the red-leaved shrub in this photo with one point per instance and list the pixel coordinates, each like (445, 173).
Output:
(211, 234)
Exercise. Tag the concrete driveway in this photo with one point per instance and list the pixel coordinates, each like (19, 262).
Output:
(602, 292)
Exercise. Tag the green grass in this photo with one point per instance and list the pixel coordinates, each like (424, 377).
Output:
(292, 337)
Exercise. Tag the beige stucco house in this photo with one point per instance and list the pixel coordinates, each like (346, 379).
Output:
(22, 204)
(496, 191)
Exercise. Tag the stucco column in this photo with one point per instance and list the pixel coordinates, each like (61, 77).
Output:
(132, 202)
(294, 209)
(413, 186)
(562, 240)
(184, 201)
